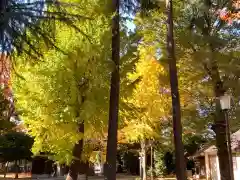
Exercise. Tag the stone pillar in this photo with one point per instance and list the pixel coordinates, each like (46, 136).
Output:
(82, 177)
(218, 169)
(207, 168)
(140, 165)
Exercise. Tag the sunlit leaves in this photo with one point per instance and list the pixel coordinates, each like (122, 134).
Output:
(148, 106)
(65, 89)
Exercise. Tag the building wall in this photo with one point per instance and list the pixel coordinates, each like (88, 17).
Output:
(236, 167)
(24, 166)
(214, 167)
(215, 171)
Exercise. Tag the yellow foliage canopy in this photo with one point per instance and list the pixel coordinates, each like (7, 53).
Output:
(149, 105)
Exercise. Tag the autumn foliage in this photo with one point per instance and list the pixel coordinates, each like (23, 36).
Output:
(229, 16)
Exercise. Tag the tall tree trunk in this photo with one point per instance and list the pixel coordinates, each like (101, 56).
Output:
(152, 161)
(114, 97)
(77, 166)
(140, 166)
(76, 163)
(6, 169)
(144, 159)
(176, 110)
(221, 142)
(220, 126)
(16, 169)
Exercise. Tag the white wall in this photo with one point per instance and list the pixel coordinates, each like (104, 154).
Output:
(237, 168)
(214, 167)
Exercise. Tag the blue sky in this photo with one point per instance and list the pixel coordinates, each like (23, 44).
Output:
(131, 26)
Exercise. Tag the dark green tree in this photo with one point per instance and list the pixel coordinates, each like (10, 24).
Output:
(15, 146)
(214, 45)
(25, 26)
(28, 27)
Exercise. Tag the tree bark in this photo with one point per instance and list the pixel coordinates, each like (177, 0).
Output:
(144, 158)
(77, 166)
(76, 163)
(176, 110)
(6, 169)
(220, 126)
(152, 162)
(114, 97)
(221, 141)
(16, 169)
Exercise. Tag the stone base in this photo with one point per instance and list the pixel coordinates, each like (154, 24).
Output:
(40, 176)
(82, 177)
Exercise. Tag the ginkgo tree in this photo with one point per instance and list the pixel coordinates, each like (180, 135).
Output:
(145, 103)
(150, 75)
(63, 100)
(147, 109)
(145, 98)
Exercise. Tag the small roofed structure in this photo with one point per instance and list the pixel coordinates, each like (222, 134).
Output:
(206, 160)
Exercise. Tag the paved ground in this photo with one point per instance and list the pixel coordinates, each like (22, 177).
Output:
(119, 177)
(90, 178)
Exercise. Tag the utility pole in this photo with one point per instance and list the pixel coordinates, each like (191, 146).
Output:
(176, 110)
(229, 145)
